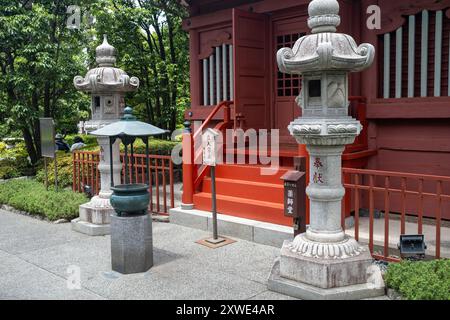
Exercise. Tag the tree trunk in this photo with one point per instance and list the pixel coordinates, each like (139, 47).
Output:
(30, 145)
(47, 109)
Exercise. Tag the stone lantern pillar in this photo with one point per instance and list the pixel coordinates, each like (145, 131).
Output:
(107, 86)
(325, 263)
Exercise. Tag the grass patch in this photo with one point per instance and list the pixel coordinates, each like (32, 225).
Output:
(30, 196)
(422, 280)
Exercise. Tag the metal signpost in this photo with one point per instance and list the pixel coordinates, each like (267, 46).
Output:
(47, 131)
(209, 142)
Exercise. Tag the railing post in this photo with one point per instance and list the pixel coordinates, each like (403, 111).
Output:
(74, 181)
(188, 168)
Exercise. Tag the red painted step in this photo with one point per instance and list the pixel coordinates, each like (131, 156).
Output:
(249, 173)
(268, 192)
(244, 208)
(243, 191)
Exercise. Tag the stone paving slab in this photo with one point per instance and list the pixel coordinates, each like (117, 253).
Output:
(183, 269)
(20, 234)
(35, 256)
(22, 280)
(175, 280)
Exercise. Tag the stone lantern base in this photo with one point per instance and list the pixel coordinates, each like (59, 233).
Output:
(308, 275)
(94, 217)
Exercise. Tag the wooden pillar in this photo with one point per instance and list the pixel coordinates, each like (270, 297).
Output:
(188, 168)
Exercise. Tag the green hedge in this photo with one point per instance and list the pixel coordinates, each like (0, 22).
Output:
(30, 196)
(423, 280)
(88, 139)
(156, 146)
(14, 162)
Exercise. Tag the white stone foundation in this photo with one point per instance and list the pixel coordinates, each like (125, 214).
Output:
(95, 216)
(370, 289)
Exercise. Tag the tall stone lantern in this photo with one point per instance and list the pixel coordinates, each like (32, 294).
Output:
(107, 86)
(325, 263)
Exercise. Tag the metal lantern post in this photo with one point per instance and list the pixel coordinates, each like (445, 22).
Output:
(131, 225)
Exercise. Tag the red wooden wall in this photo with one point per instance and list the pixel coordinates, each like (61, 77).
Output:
(410, 134)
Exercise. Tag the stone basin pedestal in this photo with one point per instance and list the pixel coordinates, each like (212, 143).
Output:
(131, 243)
(131, 229)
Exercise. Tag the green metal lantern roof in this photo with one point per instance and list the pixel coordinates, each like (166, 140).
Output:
(128, 126)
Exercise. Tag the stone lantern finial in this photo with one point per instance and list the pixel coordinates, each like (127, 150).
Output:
(105, 54)
(323, 16)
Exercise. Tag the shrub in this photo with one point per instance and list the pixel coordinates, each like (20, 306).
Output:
(424, 280)
(31, 196)
(14, 162)
(8, 170)
(65, 170)
(156, 146)
(88, 139)
(2, 147)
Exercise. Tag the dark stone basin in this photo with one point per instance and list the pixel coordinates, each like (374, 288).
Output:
(130, 199)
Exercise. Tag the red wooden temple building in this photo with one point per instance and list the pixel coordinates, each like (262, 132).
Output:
(403, 100)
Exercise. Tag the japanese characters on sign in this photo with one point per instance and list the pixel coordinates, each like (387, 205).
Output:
(209, 142)
(290, 199)
(294, 193)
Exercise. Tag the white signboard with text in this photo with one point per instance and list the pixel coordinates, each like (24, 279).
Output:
(209, 143)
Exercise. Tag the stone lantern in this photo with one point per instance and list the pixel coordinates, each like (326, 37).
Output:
(107, 86)
(325, 263)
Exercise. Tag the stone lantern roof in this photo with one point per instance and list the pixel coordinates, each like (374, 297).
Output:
(106, 78)
(325, 49)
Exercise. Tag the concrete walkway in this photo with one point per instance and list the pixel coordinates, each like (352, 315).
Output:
(35, 256)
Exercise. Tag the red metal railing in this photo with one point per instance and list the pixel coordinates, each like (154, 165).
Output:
(400, 196)
(85, 172)
(193, 174)
(203, 170)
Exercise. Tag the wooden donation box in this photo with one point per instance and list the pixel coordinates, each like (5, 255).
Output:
(295, 199)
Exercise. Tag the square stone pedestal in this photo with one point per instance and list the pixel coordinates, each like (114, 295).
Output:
(328, 279)
(94, 220)
(325, 273)
(131, 243)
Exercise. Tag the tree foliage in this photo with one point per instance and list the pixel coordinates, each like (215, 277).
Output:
(38, 58)
(153, 47)
(40, 55)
